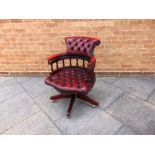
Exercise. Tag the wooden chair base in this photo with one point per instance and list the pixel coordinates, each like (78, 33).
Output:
(73, 96)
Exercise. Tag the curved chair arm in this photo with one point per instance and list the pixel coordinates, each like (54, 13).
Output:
(61, 57)
(91, 64)
(52, 58)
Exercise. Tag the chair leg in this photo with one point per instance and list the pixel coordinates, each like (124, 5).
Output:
(70, 106)
(59, 96)
(86, 98)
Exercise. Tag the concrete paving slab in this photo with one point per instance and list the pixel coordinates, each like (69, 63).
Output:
(29, 78)
(3, 79)
(135, 113)
(88, 121)
(149, 78)
(105, 93)
(136, 86)
(25, 107)
(38, 124)
(126, 131)
(152, 98)
(15, 110)
(9, 88)
(34, 86)
(109, 79)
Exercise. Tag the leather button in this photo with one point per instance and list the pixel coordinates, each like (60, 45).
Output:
(78, 86)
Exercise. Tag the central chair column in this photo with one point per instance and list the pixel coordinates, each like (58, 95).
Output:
(71, 105)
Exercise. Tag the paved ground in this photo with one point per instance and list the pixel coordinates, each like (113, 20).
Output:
(127, 106)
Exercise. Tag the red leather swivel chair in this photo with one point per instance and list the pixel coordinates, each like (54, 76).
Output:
(74, 80)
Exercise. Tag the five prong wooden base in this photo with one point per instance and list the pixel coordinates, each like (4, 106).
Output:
(73, 96)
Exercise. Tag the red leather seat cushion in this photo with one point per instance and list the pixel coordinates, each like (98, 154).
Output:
(71, 80)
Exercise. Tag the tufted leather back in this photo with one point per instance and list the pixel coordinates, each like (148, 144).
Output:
(81, 45)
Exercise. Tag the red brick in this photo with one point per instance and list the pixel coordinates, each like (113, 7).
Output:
(127, 46)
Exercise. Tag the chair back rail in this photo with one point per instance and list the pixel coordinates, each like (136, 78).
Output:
(60, 62)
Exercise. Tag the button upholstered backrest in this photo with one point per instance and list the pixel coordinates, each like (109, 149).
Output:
(81, 45)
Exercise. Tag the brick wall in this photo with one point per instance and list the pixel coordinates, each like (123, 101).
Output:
(128, 46)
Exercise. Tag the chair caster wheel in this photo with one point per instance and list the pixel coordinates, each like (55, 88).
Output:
(94, 106)
(68, 115)
(52, 100)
